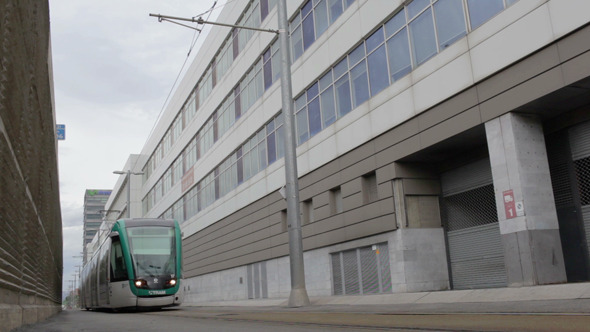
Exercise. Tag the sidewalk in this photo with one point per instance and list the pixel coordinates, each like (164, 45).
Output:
(562, 298)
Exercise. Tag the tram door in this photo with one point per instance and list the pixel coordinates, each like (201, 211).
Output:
(119, 279)
(468, 206)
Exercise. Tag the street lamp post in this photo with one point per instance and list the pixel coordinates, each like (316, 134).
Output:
(128, 179)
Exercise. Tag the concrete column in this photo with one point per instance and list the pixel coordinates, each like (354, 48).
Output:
(524, 201)
(417, 248)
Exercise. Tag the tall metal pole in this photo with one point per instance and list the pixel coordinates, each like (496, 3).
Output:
(298, 296)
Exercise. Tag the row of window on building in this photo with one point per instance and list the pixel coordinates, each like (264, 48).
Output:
(259, 77)
(414, 34)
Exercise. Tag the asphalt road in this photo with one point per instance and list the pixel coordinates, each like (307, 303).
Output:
(325, 318)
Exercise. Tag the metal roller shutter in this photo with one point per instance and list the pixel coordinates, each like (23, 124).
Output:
(476, 254)
(586, 216)
(580, 140)
(362, 270)
(477, 257)
(369, 271)
(579, 137)
(351, 273)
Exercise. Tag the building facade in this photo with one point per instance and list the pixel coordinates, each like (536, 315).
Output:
(124, 197)
(94, 208)
(31, 262)
(440, 145)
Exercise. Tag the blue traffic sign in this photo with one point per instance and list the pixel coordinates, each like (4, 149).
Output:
(61, 132)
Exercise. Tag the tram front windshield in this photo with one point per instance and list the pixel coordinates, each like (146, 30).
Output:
(152, 250)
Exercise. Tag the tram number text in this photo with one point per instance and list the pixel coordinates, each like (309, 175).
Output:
(157, 292)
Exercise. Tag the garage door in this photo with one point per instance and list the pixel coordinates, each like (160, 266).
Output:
(476, 256)
(580, 147)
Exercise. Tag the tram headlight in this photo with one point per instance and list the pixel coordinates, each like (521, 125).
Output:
(171, 282)
(140, 283)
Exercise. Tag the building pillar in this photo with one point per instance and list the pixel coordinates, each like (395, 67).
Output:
(417, 248)
(524, 201)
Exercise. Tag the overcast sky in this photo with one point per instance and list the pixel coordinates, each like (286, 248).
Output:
(113, 68)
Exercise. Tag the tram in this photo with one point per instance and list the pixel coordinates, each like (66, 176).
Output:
(138, 265)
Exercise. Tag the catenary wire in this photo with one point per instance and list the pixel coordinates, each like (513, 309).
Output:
(196, 36)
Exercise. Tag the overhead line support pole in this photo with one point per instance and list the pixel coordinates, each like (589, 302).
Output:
(298, 296)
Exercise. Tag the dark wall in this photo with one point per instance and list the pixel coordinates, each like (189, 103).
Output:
(30, 217)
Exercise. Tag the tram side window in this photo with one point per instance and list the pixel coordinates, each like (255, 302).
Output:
(118, 267)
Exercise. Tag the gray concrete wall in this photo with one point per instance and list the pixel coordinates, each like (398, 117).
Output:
(418, 260)
(417, 263)
(528, 218)
(30, 217)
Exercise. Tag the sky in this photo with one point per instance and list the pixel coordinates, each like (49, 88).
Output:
(113, 68)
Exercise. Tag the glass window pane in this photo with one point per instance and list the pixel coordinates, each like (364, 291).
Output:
(481, 11)
(356, 55)
(297, 42)
(343, 102)
(450, 21)
(328, 109)
(270, 127)
(302, 131)
(326, 81)
(399, 55)
(312, 91)
(267, 68)
(360, 84)
(378, 74)
(295, 22)
(240, 171)
(308, 31)
(259, 85)
(280, 135)
(263, 9)
(254, 159)
(306, 8)
(395, 23)
(340, 68)
(276, 66)
(271, 146)
(375, 40)
(262, 154)
(315, 121)
(335, 9)
(300, 102)
(416, 7)
(321, 18)
(422, 37)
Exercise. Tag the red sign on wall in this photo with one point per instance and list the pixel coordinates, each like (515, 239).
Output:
(509, 204)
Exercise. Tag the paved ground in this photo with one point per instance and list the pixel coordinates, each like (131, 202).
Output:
(563, 298)
(541, 308)
(563, 307)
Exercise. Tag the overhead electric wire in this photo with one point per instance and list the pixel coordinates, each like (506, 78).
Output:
(196, 36)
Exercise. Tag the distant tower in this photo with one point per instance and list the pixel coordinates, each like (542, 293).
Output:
(94, 202)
